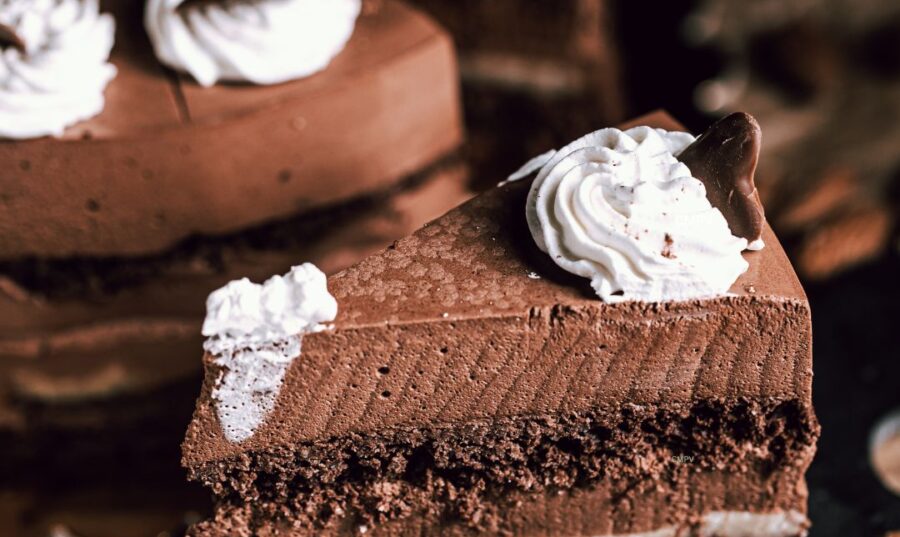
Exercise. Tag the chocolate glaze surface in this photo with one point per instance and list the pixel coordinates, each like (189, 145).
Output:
(724, 157)
(467, 322)
(167, 159)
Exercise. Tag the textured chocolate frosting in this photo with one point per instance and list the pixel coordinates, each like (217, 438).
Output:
(167, 159)
(466, 324)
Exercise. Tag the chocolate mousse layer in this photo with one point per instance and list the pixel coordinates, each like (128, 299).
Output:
(465, 369)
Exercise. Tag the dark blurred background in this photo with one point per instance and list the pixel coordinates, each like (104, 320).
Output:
(823, 79)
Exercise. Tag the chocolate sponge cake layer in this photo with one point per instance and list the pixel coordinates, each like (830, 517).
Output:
(469, 476)
(466, 319)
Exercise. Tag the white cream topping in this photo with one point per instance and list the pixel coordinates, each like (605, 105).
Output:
(619, 208)
(737, 524)
(59, 78)
(747, 524)
(258, 41)
(255, 331)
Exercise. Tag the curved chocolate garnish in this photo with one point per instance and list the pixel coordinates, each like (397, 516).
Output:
(9, 38)
(724, 158)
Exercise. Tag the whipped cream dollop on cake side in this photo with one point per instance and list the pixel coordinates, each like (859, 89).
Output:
(619, 208)
(257, 41)
(254, 332)
(54, 65)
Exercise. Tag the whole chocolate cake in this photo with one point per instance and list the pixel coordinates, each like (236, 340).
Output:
(147, 162)
(617, 346)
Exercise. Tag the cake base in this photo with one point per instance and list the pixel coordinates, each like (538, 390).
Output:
(612, 471)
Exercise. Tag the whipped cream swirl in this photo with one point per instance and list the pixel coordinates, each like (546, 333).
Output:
(59, 77)
(254, 332)
(258, 41)
(618, 208)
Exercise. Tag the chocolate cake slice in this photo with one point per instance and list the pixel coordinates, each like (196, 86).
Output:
(468, 384)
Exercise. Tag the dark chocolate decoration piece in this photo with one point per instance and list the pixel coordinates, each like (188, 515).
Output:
(724, 158)
(9, 38)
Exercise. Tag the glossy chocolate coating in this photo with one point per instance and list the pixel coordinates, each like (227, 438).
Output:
(724, 157)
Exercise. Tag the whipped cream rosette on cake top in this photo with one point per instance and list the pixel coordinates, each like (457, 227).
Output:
(256, 41)
(54, 65)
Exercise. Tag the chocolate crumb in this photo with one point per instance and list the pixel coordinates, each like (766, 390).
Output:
(667, 247)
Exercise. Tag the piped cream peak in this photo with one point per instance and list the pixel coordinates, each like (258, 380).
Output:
(619, 208)
(254, 331)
